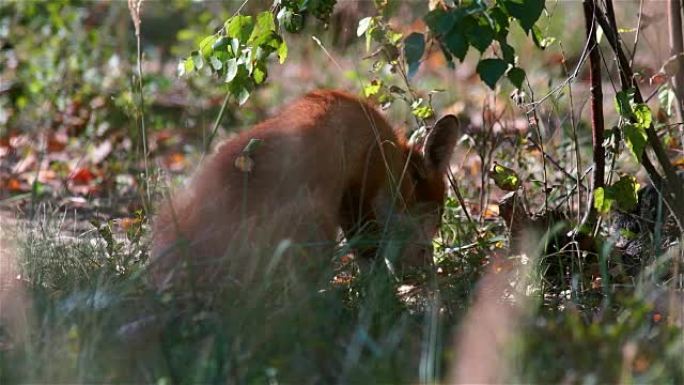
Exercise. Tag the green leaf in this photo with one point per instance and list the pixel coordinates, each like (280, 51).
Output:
(421, 111)
(491, 70)
(240, 27)
(373, 88)
(363, 26)
(527, 12)
(628, 234)
(242, 96)
(439, 21)
(235, 46)
(625, 193)
(259, 54)
(481, 35)
(259, 74)
(241, 86)
(282, 52)
(394, 37)
(197, 60)
(206, 46)
(635, 138)
(643, 116)
(667, 98)
(246, 59)
(293, 22)
(264, 30)
(456, 43)
(538, 37)
(505, 178)
(216, 64)
(231, 69)
(516, 76)
(188, 67)
(220, 43)
(623, 103)
(414, 47)
(500, 20)
(602, 202)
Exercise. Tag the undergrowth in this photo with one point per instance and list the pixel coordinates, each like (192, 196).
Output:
(94, 318)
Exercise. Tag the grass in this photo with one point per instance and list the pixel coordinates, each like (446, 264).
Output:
(94, 319)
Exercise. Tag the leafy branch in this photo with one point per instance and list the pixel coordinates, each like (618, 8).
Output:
(238, 53)
(474, 24)
(640, 122)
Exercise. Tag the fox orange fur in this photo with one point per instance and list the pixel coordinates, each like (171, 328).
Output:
(326, 162)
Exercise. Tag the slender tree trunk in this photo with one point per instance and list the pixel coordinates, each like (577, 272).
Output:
(597, 123)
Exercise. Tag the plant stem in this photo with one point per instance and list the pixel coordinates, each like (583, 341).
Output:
(217, 122)
(143, 132)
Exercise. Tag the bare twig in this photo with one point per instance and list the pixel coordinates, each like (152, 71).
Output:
(557, 165)
(638, 32)
(532, 115)
(575, 141)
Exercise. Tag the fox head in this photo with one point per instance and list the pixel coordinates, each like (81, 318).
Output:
(410, 214)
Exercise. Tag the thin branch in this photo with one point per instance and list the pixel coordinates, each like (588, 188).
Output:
(597, 121)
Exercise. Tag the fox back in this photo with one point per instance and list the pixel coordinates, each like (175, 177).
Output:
(326, 162)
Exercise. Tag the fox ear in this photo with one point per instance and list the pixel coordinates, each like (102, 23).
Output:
(440, 143)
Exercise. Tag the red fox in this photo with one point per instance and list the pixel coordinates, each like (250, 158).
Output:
(326, 162)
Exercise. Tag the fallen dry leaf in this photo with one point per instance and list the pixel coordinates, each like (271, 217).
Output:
(82, 176)
(175, 161)
(15, 185)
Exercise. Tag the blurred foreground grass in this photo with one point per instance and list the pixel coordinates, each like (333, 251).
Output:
(94, 319)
